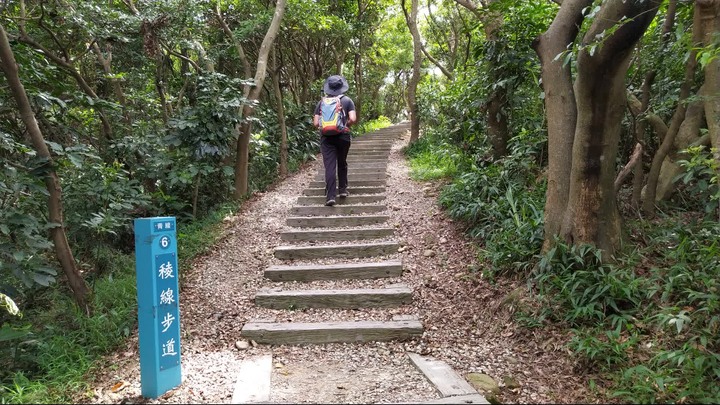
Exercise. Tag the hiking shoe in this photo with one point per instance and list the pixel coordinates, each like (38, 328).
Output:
(329, 203)
(343, 194)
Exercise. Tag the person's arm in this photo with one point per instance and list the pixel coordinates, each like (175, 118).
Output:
(316, 117)
(350, 108)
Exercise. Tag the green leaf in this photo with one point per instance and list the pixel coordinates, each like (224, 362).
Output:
(9, 333)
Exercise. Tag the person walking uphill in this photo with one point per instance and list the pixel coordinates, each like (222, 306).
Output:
(334, 115)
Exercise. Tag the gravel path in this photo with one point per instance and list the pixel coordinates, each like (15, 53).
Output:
(468, 320)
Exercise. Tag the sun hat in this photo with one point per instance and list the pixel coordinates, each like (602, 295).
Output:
(335, 85)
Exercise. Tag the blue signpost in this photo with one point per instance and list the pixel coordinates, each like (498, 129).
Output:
(156, 264)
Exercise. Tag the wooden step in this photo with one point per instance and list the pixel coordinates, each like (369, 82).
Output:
(337, 234)
(311, 210)
(349, 251)
(343, 271)
(351, 199)
(375, 141)
(367, 165)
(345, 299)
(352, 190)
(353, 183)
(336, 222)
(361, 170)
(370, 148)
(296, 333)
(368, 154)
(367, 159)
(358, 177)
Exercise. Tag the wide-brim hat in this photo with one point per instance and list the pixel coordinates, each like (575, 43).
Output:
(335, 85)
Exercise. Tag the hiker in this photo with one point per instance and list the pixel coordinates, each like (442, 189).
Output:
(334, 115)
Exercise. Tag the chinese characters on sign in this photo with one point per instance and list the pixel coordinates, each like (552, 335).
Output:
(167, 309)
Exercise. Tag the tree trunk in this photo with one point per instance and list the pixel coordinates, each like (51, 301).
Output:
(687, 135)
(242, 158)
(415, 79)
(561, 109)
(281, 117)
(496, 106)
(640, 130)
(52, 182)
(710, 11)
(592, 215)
(650, 195)
(497, 120)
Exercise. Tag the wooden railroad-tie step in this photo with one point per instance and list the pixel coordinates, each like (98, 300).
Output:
(311, 210)
(342, 271)
(296, 333)
(368, 165)
(357, 250)
(354, 170)
(361, 170)
(336, 222)
(358, 177)
(442, 376)
(355, 159)
(351, 199)
(353, 183)
(337, 234)
(362, 149)
(346, 299)
(353, 191)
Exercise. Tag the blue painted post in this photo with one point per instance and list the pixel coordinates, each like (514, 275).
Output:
(156, 264)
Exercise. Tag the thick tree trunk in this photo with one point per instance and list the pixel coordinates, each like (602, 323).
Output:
(52, 182)
(242, 158)
(592, 215)
(710, 11)
(561, 109)
(687, 135)
(411, 19)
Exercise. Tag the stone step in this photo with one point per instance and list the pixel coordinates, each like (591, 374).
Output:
(310, 210)
(336, 222)
(296, 333)
(358, 177)
(345, 251)
(343, 271)
(337, 234)
(345, 299)
(351, 199)
(353, 183)
(352, 190)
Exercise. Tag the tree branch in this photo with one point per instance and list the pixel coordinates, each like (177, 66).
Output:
(436, 63)
(634, 159)
(181, 56)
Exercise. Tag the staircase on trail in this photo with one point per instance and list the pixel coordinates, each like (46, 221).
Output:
(354, 236)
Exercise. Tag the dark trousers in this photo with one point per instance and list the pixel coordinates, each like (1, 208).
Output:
(334, 152)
